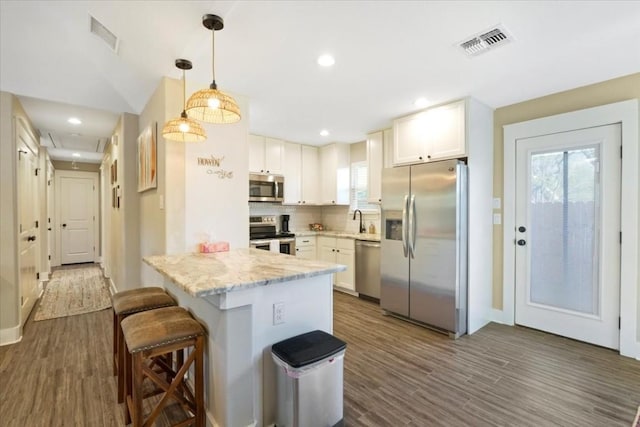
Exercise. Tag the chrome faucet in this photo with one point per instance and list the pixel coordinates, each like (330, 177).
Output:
(362, 230)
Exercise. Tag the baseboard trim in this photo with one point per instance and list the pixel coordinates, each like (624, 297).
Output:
(112, 287)
(498, 316)
(44, 276)
(637, 350)
(10, 335)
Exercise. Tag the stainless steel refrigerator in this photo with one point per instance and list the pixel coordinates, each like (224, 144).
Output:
(424, 244)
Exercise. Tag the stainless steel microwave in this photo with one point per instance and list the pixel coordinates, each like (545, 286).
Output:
(266, 188)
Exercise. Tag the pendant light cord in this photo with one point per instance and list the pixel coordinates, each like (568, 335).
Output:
(184, 90)
(213, 56)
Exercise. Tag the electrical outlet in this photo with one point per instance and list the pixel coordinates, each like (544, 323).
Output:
(278, 313)
(497, 219)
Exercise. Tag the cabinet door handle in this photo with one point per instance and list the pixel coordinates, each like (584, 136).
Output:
(333, 250)
(429, 156)
(337, 250)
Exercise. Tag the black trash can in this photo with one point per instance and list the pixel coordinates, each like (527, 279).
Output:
(310, 380)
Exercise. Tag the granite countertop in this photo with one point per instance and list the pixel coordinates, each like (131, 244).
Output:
(344, 234)
(217, 273)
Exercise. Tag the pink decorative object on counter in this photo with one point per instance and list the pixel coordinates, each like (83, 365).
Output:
(206, 248)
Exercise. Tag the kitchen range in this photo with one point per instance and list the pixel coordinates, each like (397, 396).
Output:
(263, 234)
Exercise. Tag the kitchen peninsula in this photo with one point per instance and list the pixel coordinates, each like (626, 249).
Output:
(234, 294)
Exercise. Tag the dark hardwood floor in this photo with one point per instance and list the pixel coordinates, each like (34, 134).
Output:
(396, 374)
(399, 374)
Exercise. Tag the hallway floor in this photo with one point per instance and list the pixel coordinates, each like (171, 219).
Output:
(395, 374)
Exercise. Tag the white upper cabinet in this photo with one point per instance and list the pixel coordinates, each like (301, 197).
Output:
(434, 134)
(446, 134)
(388, 148)
(265, 154)
(409, 139)
(292, 171)
(335, 174)
(310, 188)
(374, 167)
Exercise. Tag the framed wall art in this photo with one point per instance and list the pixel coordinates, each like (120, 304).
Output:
(147, 159)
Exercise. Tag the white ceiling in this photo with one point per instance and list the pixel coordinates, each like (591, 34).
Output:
(388, 53)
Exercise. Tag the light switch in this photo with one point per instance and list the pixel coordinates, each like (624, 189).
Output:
(497, 219)
(496, 202)
(161, 198)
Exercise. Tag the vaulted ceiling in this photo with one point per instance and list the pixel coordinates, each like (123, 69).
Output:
(388, 53)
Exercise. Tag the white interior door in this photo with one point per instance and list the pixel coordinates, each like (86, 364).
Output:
(567, 234)
(50, 217)
(77, 220)
(28, 214)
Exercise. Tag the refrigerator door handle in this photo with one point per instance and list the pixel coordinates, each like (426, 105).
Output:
(405, 229)
(412, 226)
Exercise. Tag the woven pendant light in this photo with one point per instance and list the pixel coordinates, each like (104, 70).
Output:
(183, 129)
(212, 105)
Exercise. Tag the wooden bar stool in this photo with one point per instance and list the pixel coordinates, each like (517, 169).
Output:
(124, 304)
(148, 336)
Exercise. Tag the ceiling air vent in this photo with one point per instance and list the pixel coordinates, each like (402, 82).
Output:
(486, 40)
(103, 32)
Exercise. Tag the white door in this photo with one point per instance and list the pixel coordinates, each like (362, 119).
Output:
(77, 220)
(50, 217)
(28, 214)
(567, 234)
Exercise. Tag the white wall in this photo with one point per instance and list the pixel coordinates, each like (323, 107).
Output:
(217, 208)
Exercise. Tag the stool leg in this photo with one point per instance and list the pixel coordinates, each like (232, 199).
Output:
(115, 343)
(121, 356)
(126, 367)
(136, 392)
(199, 382)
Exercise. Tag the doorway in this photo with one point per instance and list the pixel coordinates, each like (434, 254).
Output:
(77, 216)
(28, 209)
(567, 234)
(624, 113)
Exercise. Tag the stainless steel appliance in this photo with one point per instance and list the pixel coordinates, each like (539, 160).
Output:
(266, 188)
(262, 230)
(424, 244)
(368, 268)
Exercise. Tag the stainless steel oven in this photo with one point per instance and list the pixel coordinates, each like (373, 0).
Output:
(266, 188)
(263, 230)
(287, 244)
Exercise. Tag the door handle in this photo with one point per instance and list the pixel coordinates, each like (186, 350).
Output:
(522, 229)
(412, 225)
(64, 225)
(31, 238)
(404, 224)
(49, 229)
(521, 242)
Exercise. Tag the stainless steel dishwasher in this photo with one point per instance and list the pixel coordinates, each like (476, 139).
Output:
(368, 268)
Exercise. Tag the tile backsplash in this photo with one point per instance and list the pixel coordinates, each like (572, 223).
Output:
(334, 218)
(301, 216)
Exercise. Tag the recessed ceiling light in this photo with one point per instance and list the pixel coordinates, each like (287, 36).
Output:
(326, 60)
(324, 132)
(76, 155)
(421, 102)
(74, 121)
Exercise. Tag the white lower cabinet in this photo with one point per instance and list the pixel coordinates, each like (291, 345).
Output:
(306, 247)
(339, 251)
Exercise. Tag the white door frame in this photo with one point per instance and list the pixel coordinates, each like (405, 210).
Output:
(626, 113)
(96, 207)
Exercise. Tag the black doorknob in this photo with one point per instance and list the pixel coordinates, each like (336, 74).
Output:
(522, 229)
(31, 238)
(521, 242)
(64, 225)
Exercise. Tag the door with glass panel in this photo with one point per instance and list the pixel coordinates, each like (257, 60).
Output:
(568, 234)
